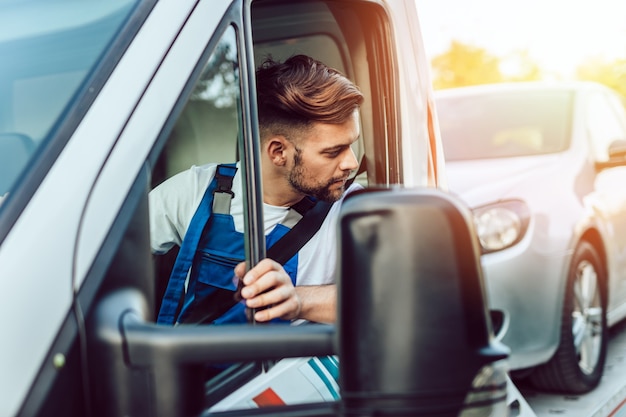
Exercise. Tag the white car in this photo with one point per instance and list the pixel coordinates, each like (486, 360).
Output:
(543, 165)
(102, 100)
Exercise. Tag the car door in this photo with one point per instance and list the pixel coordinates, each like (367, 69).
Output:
(606, 123)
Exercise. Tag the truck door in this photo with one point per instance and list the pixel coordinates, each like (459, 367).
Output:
(57, 58)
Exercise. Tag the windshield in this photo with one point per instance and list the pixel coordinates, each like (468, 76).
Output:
(48, 49)
(504, 124)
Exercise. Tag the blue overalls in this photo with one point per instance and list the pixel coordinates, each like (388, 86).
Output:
(212, 248)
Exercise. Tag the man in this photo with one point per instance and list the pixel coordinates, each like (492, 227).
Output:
(308, 120)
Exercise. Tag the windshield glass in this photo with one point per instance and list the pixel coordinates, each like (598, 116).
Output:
(504, 124)
(48, 49)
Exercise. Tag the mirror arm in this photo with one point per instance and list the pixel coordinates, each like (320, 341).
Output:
(148, 343)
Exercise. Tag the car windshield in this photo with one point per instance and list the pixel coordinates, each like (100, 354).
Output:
(504, 124)
(48, 49)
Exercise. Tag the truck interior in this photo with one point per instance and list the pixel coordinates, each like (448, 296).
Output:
(207, 125)
(340, 36)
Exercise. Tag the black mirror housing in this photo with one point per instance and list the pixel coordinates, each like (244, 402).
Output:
(412, 307)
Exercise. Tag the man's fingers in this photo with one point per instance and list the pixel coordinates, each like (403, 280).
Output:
(262, 279)
(266, 265)
(268, 285)
(273, 296)
(263, 267)
(240, 269)
(265, 314)
(288, 310)
(265, 284)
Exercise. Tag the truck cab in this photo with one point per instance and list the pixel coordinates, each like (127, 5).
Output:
(104, 101)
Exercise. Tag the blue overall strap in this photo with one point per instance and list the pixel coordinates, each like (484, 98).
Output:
(176, 284)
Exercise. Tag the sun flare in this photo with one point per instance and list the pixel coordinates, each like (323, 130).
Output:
(557, 34)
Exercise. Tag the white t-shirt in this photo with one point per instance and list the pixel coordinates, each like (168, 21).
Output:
(174, 202)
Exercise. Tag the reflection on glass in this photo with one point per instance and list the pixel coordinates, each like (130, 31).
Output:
(504, 125)
(47, 50)
(208, 127)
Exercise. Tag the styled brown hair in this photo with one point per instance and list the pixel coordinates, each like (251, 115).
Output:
(301, 91)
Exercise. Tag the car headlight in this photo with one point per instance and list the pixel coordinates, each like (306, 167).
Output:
(501, 225)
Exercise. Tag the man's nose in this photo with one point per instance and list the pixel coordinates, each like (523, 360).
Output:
(349, 161)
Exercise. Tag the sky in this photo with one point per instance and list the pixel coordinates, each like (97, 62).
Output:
(558, 34)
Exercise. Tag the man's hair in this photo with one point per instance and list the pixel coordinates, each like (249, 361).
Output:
(301, 91)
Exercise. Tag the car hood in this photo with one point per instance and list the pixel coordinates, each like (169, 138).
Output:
(483, 181)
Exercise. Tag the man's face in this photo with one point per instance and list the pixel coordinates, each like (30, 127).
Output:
(323, 159)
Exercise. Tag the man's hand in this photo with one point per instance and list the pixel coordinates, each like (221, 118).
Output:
(268, 285)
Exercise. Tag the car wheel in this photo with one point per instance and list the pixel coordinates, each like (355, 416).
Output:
(578, 363)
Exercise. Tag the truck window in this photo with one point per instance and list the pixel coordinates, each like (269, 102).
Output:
(46, 60)
(206, 131)
(353, 39)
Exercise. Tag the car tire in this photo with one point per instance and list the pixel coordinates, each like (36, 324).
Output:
(578, 363)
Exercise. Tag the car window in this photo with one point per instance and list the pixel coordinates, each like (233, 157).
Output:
(46, 59)
(504, 125)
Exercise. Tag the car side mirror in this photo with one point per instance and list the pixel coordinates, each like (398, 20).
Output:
(617, 149)
(412, 308)
(617, 155)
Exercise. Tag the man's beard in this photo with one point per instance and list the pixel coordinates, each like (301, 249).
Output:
(319, 191)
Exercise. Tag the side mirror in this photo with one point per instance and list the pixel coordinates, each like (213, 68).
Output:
(617, 155)
(414, 332)
(617, 150)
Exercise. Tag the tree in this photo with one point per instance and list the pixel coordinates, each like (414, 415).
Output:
(521, 67)
(464, 65)
(612, 74)
(219, 81)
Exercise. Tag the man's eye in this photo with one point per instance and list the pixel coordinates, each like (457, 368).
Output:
(333, 153)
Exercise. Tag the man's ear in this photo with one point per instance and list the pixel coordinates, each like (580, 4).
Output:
(276, 148)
